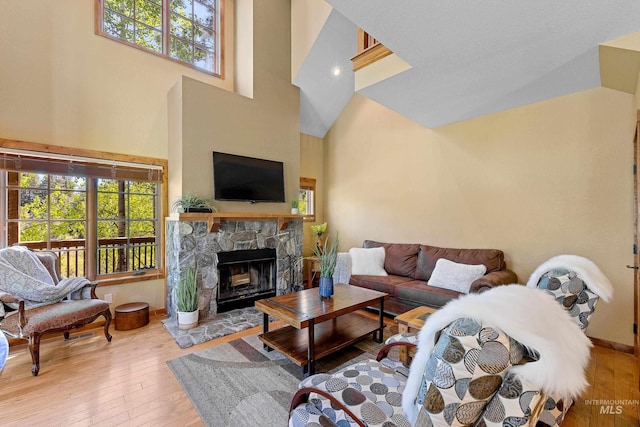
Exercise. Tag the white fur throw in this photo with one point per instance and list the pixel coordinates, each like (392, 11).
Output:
(592, 276)
(529, 316)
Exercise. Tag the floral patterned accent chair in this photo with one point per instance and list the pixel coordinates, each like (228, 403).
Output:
(577, 284)
(471, 368)
(29, 317)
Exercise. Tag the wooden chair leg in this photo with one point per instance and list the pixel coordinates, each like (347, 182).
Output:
(34, 349)
(107, 316)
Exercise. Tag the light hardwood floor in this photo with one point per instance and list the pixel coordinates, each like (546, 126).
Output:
(89, 382)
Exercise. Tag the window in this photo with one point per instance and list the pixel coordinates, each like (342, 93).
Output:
(103, 220)
(307, 198)
(127, 224)
(187, 31)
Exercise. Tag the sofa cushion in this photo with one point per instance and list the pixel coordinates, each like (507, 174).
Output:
(455, 276)
(493, 259)
(400, 258)
(367, 261)
(418, 292)
(379, 283)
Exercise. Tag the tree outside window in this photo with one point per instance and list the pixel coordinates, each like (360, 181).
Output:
(183, 30)
(307, 198)
(103, 219)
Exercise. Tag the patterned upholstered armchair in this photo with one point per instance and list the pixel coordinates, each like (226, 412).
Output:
(489, 358)
(577, 284)
(25, 314)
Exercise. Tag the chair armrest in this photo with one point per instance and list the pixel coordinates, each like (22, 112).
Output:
(409, 337)
(384, 351)
(495, 278)
(92, 286)
(302, 396)
(6, 298)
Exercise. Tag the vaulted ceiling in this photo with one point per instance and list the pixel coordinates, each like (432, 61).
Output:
(466, 58)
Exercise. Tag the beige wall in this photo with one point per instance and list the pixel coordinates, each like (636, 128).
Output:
(311, 166)
(266, 126)
(62, 84)
(307, 19)
(541, 180)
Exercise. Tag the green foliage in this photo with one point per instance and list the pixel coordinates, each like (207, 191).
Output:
(54, 207)
(64, 204)
(328, 256)
(191, 200)
(294, 204)
(66, 207)
(302, 202)
(187, 291)
(140, 22)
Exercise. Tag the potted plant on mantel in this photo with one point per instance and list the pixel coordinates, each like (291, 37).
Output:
(187, 298)
(191, 202)
(327, 256)
(294, 207)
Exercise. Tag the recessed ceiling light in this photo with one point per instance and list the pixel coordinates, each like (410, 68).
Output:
(336, 71)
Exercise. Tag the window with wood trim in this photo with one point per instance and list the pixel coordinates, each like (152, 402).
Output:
(307, 198)
(103, 220)
(188, 31)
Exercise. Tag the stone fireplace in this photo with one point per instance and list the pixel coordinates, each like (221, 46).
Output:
(239, 258)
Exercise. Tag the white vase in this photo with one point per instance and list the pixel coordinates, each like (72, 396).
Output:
(295, 211)
(187, 320)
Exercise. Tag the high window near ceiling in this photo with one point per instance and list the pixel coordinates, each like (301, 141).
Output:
(187, 31)
(103, 219)
(307, 198)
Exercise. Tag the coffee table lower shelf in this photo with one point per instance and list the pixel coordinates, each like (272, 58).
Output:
(330, 336)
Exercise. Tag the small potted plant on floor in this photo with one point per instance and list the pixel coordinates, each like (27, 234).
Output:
(327, 256)
(187, 298)
(191, 202)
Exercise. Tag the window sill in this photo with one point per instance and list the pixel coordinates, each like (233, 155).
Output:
(129, 278)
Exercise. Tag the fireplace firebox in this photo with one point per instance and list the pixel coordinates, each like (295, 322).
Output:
(245, 276)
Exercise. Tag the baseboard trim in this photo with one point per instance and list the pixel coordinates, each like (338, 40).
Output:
(624, 348)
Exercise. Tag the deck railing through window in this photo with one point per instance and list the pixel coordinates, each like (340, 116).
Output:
(115, 255)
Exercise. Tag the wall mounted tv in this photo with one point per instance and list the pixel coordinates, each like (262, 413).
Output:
(240, 178)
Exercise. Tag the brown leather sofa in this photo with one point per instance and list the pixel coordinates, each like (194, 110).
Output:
(410, 266)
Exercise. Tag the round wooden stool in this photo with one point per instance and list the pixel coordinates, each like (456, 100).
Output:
(131, 316)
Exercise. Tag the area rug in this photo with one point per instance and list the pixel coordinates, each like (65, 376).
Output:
(240, 384)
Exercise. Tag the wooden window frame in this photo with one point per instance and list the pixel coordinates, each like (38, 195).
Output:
(218, 70)
(309, 184)
(101, 158)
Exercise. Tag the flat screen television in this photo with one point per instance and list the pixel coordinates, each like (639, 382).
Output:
(241, 178)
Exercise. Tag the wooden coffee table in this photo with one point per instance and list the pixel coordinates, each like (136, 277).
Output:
(320, 326)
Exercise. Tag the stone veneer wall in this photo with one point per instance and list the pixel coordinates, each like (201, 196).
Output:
(190, 244)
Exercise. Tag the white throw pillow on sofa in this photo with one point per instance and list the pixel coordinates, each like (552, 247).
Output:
(367, 261)
(454, 276)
